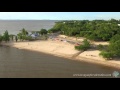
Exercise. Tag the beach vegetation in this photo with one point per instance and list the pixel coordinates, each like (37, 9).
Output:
(1, 38)
(29, 38)
(20, 37)
(84, 46)
(106, 55)
(113, 49)
(11, 36)
(24, 32)
(43, 31)
(6, 36)
(100, 47)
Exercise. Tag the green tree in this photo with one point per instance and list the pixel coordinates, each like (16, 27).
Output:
(43, 31)
(107, 55)
(84, 46)
(24, 32)
(115, 38)
(100, 47)
(29, 38)
(11, 36)
(115, 48)
(6, 36)
(20, 36)
(50, 31)
(86, 43)
(93, 37)
(1, 38)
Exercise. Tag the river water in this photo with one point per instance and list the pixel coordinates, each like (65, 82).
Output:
(14, 26)
(15, 63)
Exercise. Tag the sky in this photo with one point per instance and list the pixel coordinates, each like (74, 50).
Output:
(58, 15)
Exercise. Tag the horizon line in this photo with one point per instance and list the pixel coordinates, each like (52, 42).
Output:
(59, 20)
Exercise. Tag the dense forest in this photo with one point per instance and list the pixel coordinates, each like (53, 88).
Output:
(96, 30)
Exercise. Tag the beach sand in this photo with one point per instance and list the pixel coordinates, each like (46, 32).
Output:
(64, 49)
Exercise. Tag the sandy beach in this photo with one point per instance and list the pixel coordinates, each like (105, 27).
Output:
(64, 49)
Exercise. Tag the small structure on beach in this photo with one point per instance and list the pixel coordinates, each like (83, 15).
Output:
(33, 35)
(118, 24)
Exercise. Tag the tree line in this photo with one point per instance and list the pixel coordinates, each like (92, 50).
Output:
(97, 30)
(22, 35)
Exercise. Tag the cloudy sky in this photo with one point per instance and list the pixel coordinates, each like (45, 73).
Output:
(58, 15)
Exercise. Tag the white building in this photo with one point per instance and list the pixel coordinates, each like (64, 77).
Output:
(118, 24)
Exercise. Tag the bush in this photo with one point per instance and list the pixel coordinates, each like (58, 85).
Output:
(100, 47)
(6, 36)
(82, 33)
(43, 31)
(77, 47)
(1, 38)
(93, 37)
(29, 38)
(115, 38)
(86, 43)
(107, 55)
(81, 47)
(85, 46)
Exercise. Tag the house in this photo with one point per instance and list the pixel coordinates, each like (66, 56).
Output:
(118, 24)
(33, 35)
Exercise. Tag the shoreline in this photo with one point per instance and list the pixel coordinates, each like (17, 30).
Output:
(32, 46)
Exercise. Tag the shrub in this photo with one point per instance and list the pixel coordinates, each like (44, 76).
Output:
(86, 43)
(100, 47)
(1, 38)
(29, 38)
(107, 55)
(81, 47)
(85, 46)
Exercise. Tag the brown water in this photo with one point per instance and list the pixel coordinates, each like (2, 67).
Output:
(15, 63)
(14, 26)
